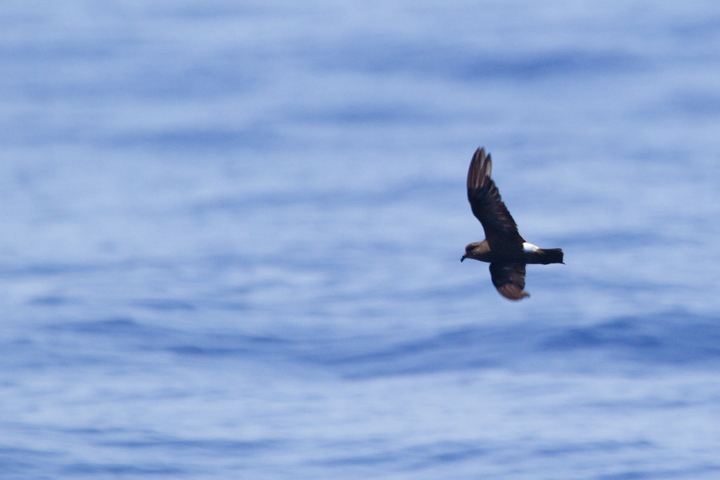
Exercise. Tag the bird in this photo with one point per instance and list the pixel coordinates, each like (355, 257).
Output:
(503, 247)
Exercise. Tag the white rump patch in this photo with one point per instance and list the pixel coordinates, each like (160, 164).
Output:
(529, 247)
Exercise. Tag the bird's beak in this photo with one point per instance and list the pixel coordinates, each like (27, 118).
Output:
(463, 258)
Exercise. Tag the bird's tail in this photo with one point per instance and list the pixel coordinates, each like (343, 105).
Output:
(547, 255)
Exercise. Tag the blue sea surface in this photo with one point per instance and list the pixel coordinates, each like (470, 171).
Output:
(231, 235)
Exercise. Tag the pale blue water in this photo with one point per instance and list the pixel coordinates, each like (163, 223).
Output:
(231, 236)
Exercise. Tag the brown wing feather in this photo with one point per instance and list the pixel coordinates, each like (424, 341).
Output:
(509, 279)
(500, 229)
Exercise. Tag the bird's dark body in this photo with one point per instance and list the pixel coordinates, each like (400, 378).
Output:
(481, 251)
(503, 247)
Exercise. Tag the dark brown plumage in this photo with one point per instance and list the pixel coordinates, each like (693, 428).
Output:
(503, 247)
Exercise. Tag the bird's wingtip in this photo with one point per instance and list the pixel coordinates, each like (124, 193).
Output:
(479, 154)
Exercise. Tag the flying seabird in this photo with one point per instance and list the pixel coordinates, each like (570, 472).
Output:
(503, 247)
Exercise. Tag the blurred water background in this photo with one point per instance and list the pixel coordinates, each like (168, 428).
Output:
(231, 235)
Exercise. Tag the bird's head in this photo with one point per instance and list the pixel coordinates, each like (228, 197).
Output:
(475, 250)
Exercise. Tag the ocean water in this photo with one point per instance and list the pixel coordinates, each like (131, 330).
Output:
(231, 235)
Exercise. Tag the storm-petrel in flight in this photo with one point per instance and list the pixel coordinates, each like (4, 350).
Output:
(503, 247)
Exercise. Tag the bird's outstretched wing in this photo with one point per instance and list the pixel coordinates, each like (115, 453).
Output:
(501, 230)
(509, 279)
